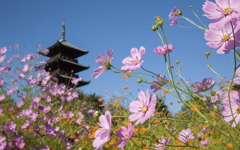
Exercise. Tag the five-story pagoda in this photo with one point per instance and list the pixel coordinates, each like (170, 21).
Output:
(63, 63)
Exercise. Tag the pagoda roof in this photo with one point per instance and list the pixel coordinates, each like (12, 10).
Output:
(53, 50)
(80, 83)
(77, 66)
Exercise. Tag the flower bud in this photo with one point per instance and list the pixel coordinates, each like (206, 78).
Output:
(190, 6)
(207, 53)
(97, 114)
(180, 67)
(208, 66)
(139, 80)
(154, 27)
(213, 93)
(177, 62)
(171, 66)
(159, 21)
(179, 12)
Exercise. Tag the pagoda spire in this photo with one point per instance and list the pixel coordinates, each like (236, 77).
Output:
(63, 30)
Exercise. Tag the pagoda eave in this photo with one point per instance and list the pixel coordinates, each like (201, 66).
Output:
(65, 45)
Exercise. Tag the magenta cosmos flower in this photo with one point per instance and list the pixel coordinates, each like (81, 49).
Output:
(104, 62)
(231, 108)
(160, 82)
(102, 135)
(222, 12)
(186, 135)
(125, 134)
(207, 84)
(143, 108)
(134, 61)
(223, 39)
(163, 50)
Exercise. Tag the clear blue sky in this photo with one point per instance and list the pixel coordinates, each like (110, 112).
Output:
(112, 24)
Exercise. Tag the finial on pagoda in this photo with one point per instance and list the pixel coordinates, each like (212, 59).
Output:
(63, 30)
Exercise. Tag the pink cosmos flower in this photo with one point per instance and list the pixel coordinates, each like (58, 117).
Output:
(204, 143)
(231, 113)
(223, 39)
(186, 135)
(102, 135)
(104, 63)
(207, 84)
(223, 11)
(134, 61)
(76, 80)
(175, 20)
(161, 82)
(173, 13)
(2, 57)
(2, 97)
(125, 134)
(43, 51)
(2, 81)
(162, 143)
(3, 50)
(237, 79)
(163, 50)
(143, 108)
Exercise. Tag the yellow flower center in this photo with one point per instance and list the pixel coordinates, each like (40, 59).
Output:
(136, 62)
(144, 108)
(225, 38)
(238, 110)
(107, 64)
(227, 11)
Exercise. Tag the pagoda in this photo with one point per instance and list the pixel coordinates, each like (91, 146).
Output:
(63, 63)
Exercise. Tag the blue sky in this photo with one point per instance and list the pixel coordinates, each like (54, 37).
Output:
(113, 24)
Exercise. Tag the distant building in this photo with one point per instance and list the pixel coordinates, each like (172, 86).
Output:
(63, 63)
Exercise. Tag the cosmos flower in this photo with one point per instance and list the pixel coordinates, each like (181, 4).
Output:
(162, 143)
(207, 84)
(2, 97)
(2, 57)
(10, 90)
(10, 127)
(204, 143)
(125, 134)
(104, 63)
(231, 108)
(143, 108)
(163, 50)
(237, 79)
(161, 81)
(173, 13)
(133, 62)
(3, 50)
(223, 38)
(223, 11)
(186, 135)
(102, 135)
(44, 148)
(2, 81)
(175, 20)
(75, 80)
